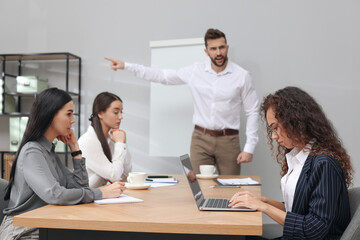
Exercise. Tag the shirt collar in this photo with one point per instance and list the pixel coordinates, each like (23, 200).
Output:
(228, 68)
(295, 157)
(46, 144)
(302, 155)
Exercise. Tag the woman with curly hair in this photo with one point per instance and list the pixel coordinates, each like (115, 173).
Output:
(316, 170)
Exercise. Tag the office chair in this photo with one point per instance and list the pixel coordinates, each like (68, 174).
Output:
(272, 231)
(3, 203)
(352, 231)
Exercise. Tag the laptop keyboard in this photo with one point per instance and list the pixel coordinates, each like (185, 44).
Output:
(217, 203)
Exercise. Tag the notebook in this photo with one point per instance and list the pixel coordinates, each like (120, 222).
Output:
(205, 204)
(122, 199)
(237, 181)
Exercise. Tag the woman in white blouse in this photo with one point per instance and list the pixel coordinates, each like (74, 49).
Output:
(104, 144)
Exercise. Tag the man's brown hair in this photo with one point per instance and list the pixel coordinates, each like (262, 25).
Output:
(212, 33)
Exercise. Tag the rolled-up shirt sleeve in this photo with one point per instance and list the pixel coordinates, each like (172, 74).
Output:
(40, 179)
(163, 76)
(251, 108)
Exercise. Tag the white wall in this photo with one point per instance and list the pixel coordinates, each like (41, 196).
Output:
(310, 44)
(171, 108)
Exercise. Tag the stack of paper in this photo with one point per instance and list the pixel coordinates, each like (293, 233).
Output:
(122, 199)
(237, 181)
(161, 182)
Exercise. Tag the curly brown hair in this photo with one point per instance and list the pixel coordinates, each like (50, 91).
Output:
(304, 121)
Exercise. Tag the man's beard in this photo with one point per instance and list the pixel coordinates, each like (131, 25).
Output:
(222, 64)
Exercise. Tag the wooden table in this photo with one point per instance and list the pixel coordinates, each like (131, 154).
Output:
(166, 213)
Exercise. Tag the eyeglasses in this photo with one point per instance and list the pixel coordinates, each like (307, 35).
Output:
(274, 131)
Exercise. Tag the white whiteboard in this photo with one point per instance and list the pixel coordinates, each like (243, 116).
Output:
(171, 107)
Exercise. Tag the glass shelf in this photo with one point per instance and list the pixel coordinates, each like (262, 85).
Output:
(16, 60)
(38, 56)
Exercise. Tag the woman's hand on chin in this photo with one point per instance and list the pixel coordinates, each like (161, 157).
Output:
(70, 140)
(118, 135)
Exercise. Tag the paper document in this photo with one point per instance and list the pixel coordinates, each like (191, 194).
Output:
(122, 199)
(237, 181)
(154, 185)
(161, 180)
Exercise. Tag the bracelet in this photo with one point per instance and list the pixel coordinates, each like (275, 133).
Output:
(73, 154)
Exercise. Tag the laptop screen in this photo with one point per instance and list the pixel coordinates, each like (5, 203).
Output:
(191, 177)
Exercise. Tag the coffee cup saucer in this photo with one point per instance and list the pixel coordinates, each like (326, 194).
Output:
(207, 176)
(137, 186)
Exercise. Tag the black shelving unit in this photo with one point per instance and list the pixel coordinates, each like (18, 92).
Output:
(6, 59)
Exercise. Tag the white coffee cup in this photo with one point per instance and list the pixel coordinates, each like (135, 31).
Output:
(207, 170)
(136, 178)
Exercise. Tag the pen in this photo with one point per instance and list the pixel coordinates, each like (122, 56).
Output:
(148, 179)
(225, 186)
(108, 181)
(158, 176)
(246, 184)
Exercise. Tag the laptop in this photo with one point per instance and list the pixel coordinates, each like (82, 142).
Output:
(206, 204)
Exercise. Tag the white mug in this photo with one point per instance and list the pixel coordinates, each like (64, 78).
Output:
(136, 178)
(207, 170)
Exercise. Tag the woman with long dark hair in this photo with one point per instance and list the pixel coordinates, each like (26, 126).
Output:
(316, 170)
(38, 176)
(104, 144)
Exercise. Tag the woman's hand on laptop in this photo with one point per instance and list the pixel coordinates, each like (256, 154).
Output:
(246, 199)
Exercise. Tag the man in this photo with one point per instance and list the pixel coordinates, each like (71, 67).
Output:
(219, 88)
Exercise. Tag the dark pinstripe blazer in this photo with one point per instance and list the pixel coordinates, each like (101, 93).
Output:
(321, 204)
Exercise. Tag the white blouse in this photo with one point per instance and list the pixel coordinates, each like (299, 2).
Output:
(295, 160)
(98, 166)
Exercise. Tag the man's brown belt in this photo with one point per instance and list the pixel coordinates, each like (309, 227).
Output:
(223, 132)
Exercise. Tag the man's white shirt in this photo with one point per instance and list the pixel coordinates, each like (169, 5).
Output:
(218, 97)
